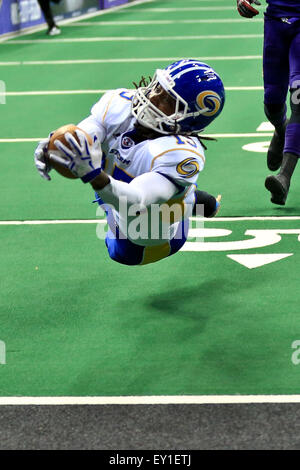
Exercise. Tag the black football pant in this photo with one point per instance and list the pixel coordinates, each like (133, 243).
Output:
(45, 7)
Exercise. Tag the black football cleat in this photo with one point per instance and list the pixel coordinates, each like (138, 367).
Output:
(278, 185)
(275, 152)
(210, 204)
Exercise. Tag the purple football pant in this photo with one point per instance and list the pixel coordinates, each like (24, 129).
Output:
(281, 64)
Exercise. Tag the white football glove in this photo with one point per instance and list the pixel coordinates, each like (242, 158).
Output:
(83, 159)
(43, 166)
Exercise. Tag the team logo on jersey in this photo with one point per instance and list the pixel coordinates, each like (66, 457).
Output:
(127, 142)
(188, 167)
(209, 99)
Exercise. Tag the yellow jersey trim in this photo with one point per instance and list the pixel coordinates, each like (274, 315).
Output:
(107, 107)
(155, 253)
(175, 150)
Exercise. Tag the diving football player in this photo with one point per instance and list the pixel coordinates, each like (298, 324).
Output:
(152, 155)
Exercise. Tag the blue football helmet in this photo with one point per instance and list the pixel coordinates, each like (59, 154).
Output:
(199, 97)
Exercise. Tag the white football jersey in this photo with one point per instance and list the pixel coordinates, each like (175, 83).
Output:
(178, 158)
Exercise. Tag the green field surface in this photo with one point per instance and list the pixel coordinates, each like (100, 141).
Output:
(199, 323)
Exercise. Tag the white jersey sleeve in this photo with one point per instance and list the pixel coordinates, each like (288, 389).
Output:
(144, 190)
(180, 163)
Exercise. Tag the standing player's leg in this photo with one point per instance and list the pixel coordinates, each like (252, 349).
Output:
(276, 81)
(53, 29)
(279, 184)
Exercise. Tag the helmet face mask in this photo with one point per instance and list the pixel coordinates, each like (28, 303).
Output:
(150, 115)
(198, 95)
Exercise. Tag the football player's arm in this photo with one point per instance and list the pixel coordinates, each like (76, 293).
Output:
(95, 124)
(43, 164)
(246, 9)
(144, 190)
(93, 127)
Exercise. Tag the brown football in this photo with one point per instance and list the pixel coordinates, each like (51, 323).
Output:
(59, 134)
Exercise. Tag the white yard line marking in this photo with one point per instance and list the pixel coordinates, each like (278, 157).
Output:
(244, 88)
(179, 9)
(223, 136)
(103, 221)
(55, 92)
(91, 92)
(125, 60)
(254, 218)
(233, 136)
(134, 38)
(13, 141)
(149, 400)
(163, 22)
(52, 222)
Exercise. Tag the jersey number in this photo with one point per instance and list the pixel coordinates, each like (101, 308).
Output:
(185, 140)
(126, 95)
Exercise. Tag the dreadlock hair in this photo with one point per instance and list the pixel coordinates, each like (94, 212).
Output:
(144, 82)
(201, 138)
(195, 134)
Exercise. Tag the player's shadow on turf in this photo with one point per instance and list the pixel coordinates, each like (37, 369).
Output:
(282, 210)
(192, 302)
